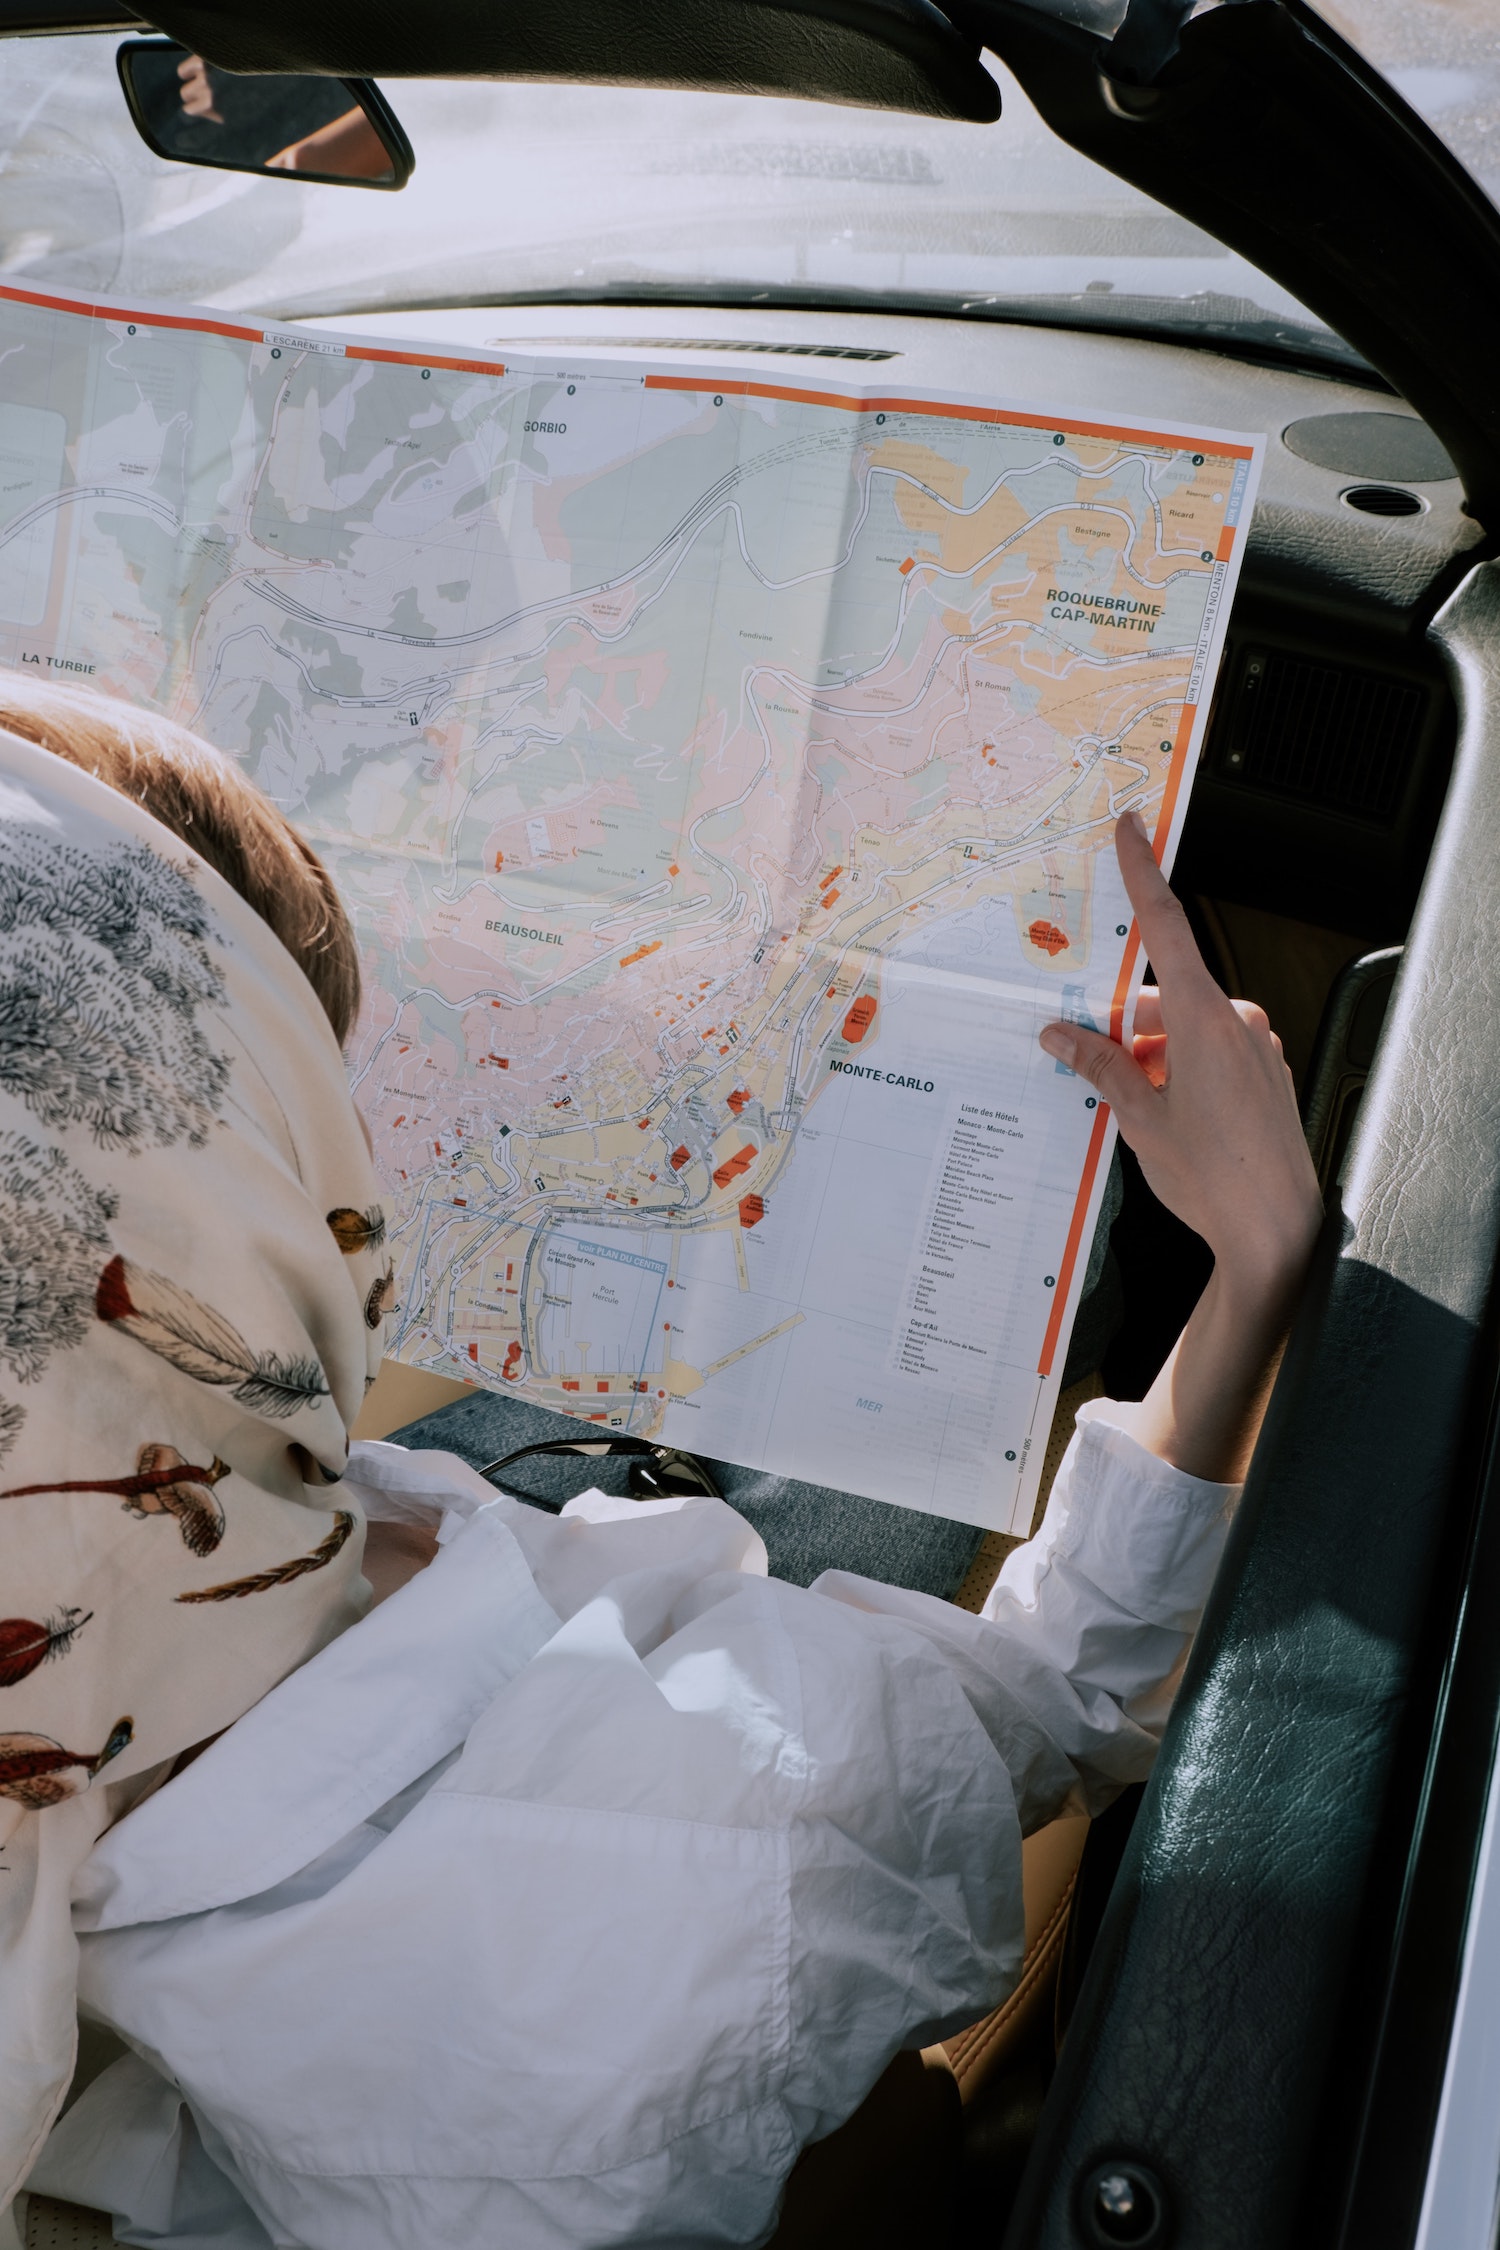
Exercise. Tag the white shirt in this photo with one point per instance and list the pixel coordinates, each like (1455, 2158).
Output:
(561, 1901)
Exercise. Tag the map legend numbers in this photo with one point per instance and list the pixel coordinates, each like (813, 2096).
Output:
(968, 1310)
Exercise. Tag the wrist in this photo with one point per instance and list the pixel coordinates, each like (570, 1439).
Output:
(1254, 1302)
(1265, 1275)
(1204, 1410)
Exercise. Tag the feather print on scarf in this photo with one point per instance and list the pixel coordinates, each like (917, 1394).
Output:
(190, 1241)
(198, 1340)
(24, 1644)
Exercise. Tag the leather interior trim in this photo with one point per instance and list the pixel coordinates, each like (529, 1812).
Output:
(1225, 2027)
(1049, 1867)
(1346, 1040)
(21, 18)
(49, 2225)
(984, 2048)
(878, 54)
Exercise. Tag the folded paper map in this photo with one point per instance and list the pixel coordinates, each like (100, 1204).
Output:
(721, 774)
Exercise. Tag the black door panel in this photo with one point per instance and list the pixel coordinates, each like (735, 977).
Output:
(1225, 2031)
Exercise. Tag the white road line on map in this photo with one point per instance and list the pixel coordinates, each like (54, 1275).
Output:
(743, 1351)
(129, 495)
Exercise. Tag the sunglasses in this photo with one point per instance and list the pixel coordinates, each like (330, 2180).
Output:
(657, 1472)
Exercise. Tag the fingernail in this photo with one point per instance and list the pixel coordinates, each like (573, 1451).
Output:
(1138, 825)
(1059, 1042)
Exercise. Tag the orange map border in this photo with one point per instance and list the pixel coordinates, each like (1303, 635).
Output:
(1163, 831)
(238, 333)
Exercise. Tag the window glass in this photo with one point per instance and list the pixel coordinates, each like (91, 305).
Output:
(591, 192)
(1443, 56)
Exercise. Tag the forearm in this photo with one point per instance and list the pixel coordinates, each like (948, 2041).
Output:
(1203, 1412)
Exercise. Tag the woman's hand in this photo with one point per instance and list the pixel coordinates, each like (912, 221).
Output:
(1207, 1104)
(197, 89)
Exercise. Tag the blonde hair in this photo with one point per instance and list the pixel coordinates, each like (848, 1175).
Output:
(204, 799)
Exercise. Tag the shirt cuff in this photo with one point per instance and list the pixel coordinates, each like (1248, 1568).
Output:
(416, 1485)
(1110, 1415)
(1148, 1535)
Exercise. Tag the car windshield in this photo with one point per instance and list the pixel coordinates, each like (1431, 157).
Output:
(587, 193)
(1444, 57)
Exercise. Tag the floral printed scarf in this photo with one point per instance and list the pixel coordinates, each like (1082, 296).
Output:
(192, 1283)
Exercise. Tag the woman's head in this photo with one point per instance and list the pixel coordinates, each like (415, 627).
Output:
(206, 801)
(193, 1272)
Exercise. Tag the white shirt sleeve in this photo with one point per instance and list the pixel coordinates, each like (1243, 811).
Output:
(1074, 1660)
(635, 1866)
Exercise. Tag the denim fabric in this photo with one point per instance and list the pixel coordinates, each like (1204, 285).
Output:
(807, 1528)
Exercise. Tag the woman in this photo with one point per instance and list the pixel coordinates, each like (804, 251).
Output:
(182, 1338)
(565, 1898)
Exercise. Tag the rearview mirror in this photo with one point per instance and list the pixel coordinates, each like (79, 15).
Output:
(338, 130)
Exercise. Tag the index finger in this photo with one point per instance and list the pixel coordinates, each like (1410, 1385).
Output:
(1170, 946)
(1148, 1020)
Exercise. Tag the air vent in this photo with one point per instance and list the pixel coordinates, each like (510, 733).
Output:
(1323, 733)
(1383, 500)
(692, 344)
